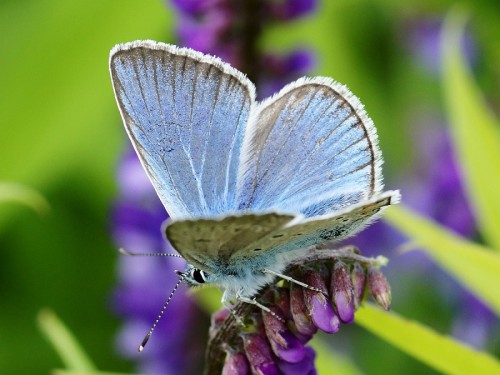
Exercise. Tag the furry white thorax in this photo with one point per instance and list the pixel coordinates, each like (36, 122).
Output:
(247, 284)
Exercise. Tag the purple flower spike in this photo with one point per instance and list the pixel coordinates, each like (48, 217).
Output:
(342, 292)
(320, 308)
(236, 364)
(379, 287)
(300, 313)
(289, 9)
(193, 7)
(283, 342)
(303, 367)
(358, 278)
(259, 355)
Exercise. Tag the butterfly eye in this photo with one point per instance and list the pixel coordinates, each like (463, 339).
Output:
(198, 275)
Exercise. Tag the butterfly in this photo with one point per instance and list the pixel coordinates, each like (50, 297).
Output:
(251, 187)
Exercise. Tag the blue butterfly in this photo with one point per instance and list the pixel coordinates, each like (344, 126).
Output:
(251, 187)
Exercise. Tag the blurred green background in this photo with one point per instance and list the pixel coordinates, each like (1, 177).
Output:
(60, 134)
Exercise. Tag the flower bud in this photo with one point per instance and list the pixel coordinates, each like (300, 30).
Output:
(283, 342)
(379, 287)
(259, 355)
(320, 308)
(300, 314)
(358, 278)
(342, 292)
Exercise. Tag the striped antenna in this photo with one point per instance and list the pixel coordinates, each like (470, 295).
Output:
(148, 336)
(130, 253)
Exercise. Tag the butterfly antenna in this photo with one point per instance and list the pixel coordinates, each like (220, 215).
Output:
(147, 337)
(130, 253)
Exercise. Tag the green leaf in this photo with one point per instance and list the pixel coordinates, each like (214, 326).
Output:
(328, 361)
(59, 115)
(440, 352)
(64, 343)
(476, 267)
(17, 193)
(475, 131)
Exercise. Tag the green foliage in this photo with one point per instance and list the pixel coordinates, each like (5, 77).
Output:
(16, 193)
(63, 341)
(436, 350)
(475, 130)
(476, 267)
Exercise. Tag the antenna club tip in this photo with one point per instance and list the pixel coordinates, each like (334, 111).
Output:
(144, 342)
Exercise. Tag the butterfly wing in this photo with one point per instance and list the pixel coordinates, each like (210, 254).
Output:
(302, 233)
(213, 244)
(185, 114)
(310, 149)
(209, 244)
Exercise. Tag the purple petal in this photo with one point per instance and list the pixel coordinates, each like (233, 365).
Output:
(320, 308)
(300, 313)
(259, 355)
(342, 291)
(289, 9)
(236, 364)
(195, 7)
(283, 342)
(303, 367)
(133, 182)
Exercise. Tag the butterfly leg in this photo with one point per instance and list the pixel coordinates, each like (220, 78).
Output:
(254, 302)
(292, 280)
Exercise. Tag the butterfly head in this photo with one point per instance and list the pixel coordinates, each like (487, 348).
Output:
(194, 276)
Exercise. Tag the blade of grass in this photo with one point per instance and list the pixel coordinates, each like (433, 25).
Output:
(438, 351)
(12, 192)
(476, 267)
(64, 343)
(475, 130)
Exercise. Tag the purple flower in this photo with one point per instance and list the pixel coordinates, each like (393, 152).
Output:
(230, 29)
(283, 342)
(275, 341)
(289, 9)
(424, 41)
(278, 70)
(343, 292)
(379, 287)
(136, 224)
(319, 307)
(474, 322)
(437, 189)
